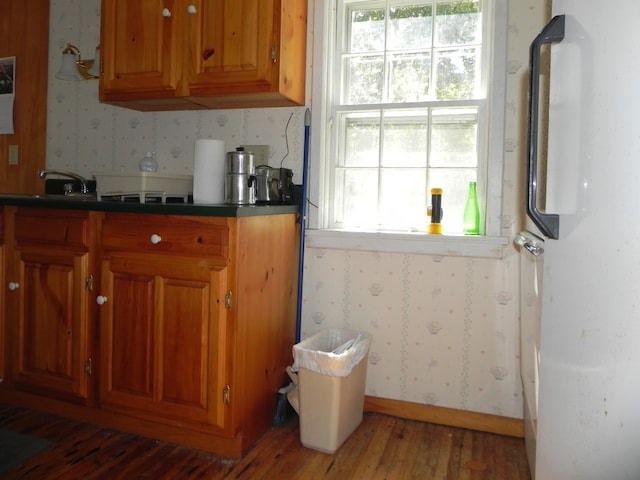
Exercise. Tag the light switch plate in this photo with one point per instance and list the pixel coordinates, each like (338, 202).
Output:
(261, 153)
(13, 154)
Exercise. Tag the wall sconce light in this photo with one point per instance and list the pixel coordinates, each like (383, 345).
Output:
(74, 68)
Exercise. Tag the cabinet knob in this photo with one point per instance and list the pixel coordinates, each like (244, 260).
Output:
(13, 286)
(166, 12)
(192, 9)
(155, 239)
(100, 300)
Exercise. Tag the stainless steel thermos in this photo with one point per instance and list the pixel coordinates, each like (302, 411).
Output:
(239, 182)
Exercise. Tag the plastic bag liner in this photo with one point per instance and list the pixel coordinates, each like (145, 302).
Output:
(332, 352)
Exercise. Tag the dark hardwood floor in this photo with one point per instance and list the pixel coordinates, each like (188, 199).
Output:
(383, 447)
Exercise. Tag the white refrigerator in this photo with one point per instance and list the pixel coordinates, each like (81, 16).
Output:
(581, 256)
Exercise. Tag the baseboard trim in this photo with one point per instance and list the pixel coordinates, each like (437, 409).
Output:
(484, 422)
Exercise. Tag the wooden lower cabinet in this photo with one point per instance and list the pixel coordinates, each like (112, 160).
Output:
(163, 339)
(48, 303)
(175, 327)
(197, 323)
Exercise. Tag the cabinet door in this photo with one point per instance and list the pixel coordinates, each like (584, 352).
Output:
(51, 307)
(233, 47)
(163, 338)
(141, 48)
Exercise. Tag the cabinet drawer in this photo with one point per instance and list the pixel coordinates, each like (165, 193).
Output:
(61, 228)
(198, 236)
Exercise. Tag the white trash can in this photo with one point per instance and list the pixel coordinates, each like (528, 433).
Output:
(331, 371)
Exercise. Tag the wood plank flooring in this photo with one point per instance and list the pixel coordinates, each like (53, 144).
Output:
(383, 447)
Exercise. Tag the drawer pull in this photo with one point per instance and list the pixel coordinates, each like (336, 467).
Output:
(13, 286)
(155, 239)
(101, 300)
(166, 12)
(191, 9)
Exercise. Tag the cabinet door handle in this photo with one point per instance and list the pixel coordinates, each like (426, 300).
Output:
(192, 9)
(101, 300)
(13, 286)
(166, 12)
(155, 239)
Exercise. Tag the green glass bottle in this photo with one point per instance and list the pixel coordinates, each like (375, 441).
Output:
(471, 219)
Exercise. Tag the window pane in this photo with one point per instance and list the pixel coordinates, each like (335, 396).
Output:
(405, 139)
(458, 23)
(366, 30)
(356, 206)
(362, 144)
(409, 78)
(454, 138)
(364, 79)
(410, 27)
(457, 74)
(402, 199)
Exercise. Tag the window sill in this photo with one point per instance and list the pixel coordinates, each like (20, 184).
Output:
(416, 243)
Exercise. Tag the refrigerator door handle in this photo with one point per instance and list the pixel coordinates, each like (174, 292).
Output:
(548, 223)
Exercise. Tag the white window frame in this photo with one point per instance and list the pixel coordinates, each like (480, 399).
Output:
(488, 245)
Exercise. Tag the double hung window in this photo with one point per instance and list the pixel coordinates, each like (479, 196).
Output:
(407, 109)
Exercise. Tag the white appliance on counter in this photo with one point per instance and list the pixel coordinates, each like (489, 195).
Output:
(582, 380)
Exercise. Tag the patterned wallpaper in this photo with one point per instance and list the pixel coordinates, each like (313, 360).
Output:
(445, 329)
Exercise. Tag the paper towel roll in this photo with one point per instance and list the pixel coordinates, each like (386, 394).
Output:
(208, 171)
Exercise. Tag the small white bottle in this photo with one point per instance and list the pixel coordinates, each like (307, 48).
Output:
(148, 163)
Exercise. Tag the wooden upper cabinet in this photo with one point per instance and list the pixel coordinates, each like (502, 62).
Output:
(192, 54)
(142, 56)
(139, 50)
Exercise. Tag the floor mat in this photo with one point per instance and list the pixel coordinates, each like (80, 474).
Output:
(16, 448)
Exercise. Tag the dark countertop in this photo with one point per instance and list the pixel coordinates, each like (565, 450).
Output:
(82, 203)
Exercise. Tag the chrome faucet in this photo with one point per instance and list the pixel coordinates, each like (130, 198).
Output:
(84, 184)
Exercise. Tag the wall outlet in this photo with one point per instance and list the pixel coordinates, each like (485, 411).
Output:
(261, 154)
(13, 154)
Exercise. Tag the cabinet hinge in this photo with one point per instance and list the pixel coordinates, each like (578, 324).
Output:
(274, 54)
(226, 395)
(88, 366)
(227, 300)
(88, 283)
